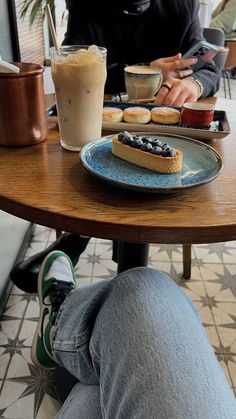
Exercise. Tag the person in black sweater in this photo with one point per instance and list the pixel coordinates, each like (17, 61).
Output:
(138, 31)
(152, 31)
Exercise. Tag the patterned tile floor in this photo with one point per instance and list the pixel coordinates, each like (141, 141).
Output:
(27, 392)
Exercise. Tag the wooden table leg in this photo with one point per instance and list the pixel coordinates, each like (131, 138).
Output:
(187, 260)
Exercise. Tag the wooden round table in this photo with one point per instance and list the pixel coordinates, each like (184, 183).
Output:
(48, 185)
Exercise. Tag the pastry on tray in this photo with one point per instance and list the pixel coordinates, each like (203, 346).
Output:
(164, 115)
(112, 114)
(147, 152)
(141, 115)
(137, 115)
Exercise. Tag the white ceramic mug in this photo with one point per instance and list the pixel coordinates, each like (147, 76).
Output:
(142, 81)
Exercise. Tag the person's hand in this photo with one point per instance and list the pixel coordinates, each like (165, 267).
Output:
(175, 66)
(175, 92)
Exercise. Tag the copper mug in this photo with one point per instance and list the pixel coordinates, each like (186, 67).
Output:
(22, 106)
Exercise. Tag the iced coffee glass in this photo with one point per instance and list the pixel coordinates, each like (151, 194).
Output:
(79, 75)
(142, 81)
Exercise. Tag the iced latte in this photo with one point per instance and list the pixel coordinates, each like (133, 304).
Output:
(79, 75)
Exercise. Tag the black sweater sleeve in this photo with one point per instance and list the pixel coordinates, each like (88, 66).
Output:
(208, 75)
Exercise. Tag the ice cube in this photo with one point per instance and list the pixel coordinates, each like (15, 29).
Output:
(96, 52)
(94, 49)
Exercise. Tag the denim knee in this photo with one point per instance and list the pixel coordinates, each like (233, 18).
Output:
(140, 275)
(144, 279)
(151, 288)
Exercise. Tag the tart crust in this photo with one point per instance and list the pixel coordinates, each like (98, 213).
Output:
(145, 159)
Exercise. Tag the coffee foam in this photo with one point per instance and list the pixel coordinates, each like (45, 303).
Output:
(141, 69)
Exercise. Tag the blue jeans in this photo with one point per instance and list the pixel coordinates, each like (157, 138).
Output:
(139, 350)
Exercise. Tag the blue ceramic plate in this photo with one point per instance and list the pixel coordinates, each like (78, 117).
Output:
(201, 164)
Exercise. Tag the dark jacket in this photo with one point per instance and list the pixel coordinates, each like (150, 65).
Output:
(164, 29)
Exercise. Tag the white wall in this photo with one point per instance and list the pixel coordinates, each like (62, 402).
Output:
(5, 34)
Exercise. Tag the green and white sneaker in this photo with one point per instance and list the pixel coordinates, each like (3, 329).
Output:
(56, 279)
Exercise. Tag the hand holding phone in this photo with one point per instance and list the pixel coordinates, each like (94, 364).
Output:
(203, 51)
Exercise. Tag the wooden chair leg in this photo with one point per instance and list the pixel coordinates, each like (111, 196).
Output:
(187, 261)
(224, 83)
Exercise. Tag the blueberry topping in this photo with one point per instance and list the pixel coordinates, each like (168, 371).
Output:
(124, 134)
(137, 143)
(131, 141)
(137, 137)
(172, 152)
(147, 140)
(146, 146)
(169, 152)
(127, 140)
(156, 143)
(156, 150)
(165, 153)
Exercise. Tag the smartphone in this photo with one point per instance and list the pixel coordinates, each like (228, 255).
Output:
(203, 51)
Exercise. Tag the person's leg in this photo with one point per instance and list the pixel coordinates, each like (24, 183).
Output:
(83, 402)
(140, 338)
(25, 274)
